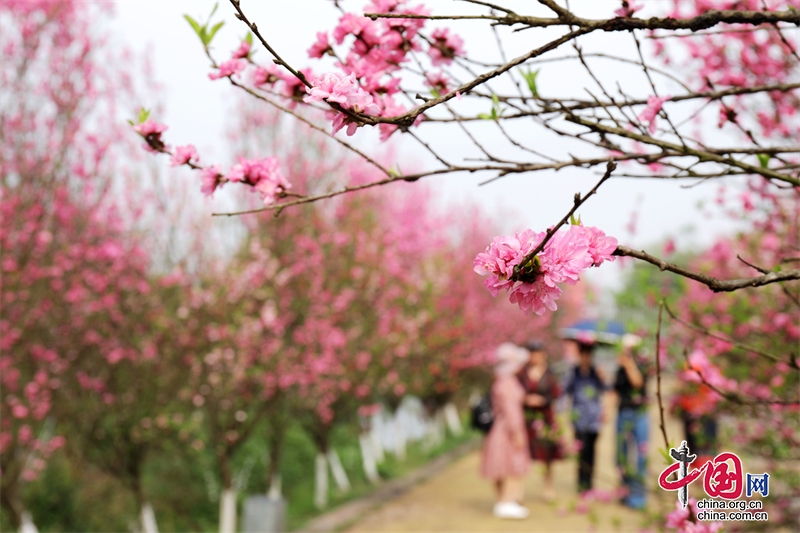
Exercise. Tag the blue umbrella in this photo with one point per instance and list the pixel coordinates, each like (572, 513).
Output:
(594, 331)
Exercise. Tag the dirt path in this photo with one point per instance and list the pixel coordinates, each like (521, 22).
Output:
(457, 499)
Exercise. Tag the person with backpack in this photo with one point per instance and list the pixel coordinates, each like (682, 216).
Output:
(504, 457)
(585, 386)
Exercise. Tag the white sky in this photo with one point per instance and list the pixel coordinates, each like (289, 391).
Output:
(196, 107)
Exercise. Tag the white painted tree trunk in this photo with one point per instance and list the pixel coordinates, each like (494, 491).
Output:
(339, 475)
(148, 518)
(368, 458)
(321, 482)
(227, 511)
(27, 525)
(377, 445)
(453, 421)
(399, 439)
(275, 492)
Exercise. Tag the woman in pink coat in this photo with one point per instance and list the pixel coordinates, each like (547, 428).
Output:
(505, 451)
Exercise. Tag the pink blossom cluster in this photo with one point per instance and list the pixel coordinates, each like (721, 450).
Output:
(345, 91)
(151, 131)
(378, 50)
(732, 58)
(564, 257)
(650, 113)
(679, 519)
(264, 175)
(628, 9)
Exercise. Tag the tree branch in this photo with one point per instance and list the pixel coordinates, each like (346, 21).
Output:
(714, 284)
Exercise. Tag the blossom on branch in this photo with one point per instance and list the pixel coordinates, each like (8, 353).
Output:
(263, 174)
(184, 155)
(563, 258)
(151, 131)
(627, 9)
(228, 68)
(332, 87)
(652, 110)
(445, 47)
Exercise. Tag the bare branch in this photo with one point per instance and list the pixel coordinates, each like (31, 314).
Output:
(714, 284)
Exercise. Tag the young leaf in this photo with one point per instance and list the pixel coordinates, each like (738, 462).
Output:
(249, 38)
(216, 5)
(484, 116)
(214, 31)
(763, 160)
(530, 79)
(193, 23)
(574, 221)
(144, 114)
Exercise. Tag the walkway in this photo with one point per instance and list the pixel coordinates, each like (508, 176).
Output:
(457, 499)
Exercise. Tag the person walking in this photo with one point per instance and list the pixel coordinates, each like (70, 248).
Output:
(632, 426)
(504, 457)
(542, 389)
(585, 386)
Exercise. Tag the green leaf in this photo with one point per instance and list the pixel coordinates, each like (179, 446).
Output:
(495, 101)
(530, 79)
(573, 221)
(216, 5)
(130, 122)
(763, 160)
(435, 93)
(144, 114)
(214, 30)
(778, 268)
(484, 116)
(249, 38)
(193, 23)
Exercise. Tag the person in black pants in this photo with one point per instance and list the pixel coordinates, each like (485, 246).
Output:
(585, 386)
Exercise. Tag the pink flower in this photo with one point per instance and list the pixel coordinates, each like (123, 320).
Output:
(149, 127)
(183, 155)
(320, 47)
(650, 112)
(627, 9)
(676, 518)
(344, 90)
(228, 68)
(263, 174)
(211, 179)
(241, 52)
(445, 47)
(437, 81)
(265, 75)
(568, 253)
(19, 411)
(151, 131)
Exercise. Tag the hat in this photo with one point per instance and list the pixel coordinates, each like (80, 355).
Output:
(510, 358)
(533, 345)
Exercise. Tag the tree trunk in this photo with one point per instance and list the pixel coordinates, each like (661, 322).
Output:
(453, 421)
(227, 500)
(368, 458)
(148, 519)
(321, 481)
(227, 511)
(399, 438)
(27, 525)
(339, 474)
(11, 504)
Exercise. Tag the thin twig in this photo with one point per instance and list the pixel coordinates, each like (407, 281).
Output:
(610, 166)
(658, 376)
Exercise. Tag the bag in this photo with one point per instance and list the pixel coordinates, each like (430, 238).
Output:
(482, 415)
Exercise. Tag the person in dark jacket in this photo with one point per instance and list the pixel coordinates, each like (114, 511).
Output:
(632, 426)
(585, 386)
